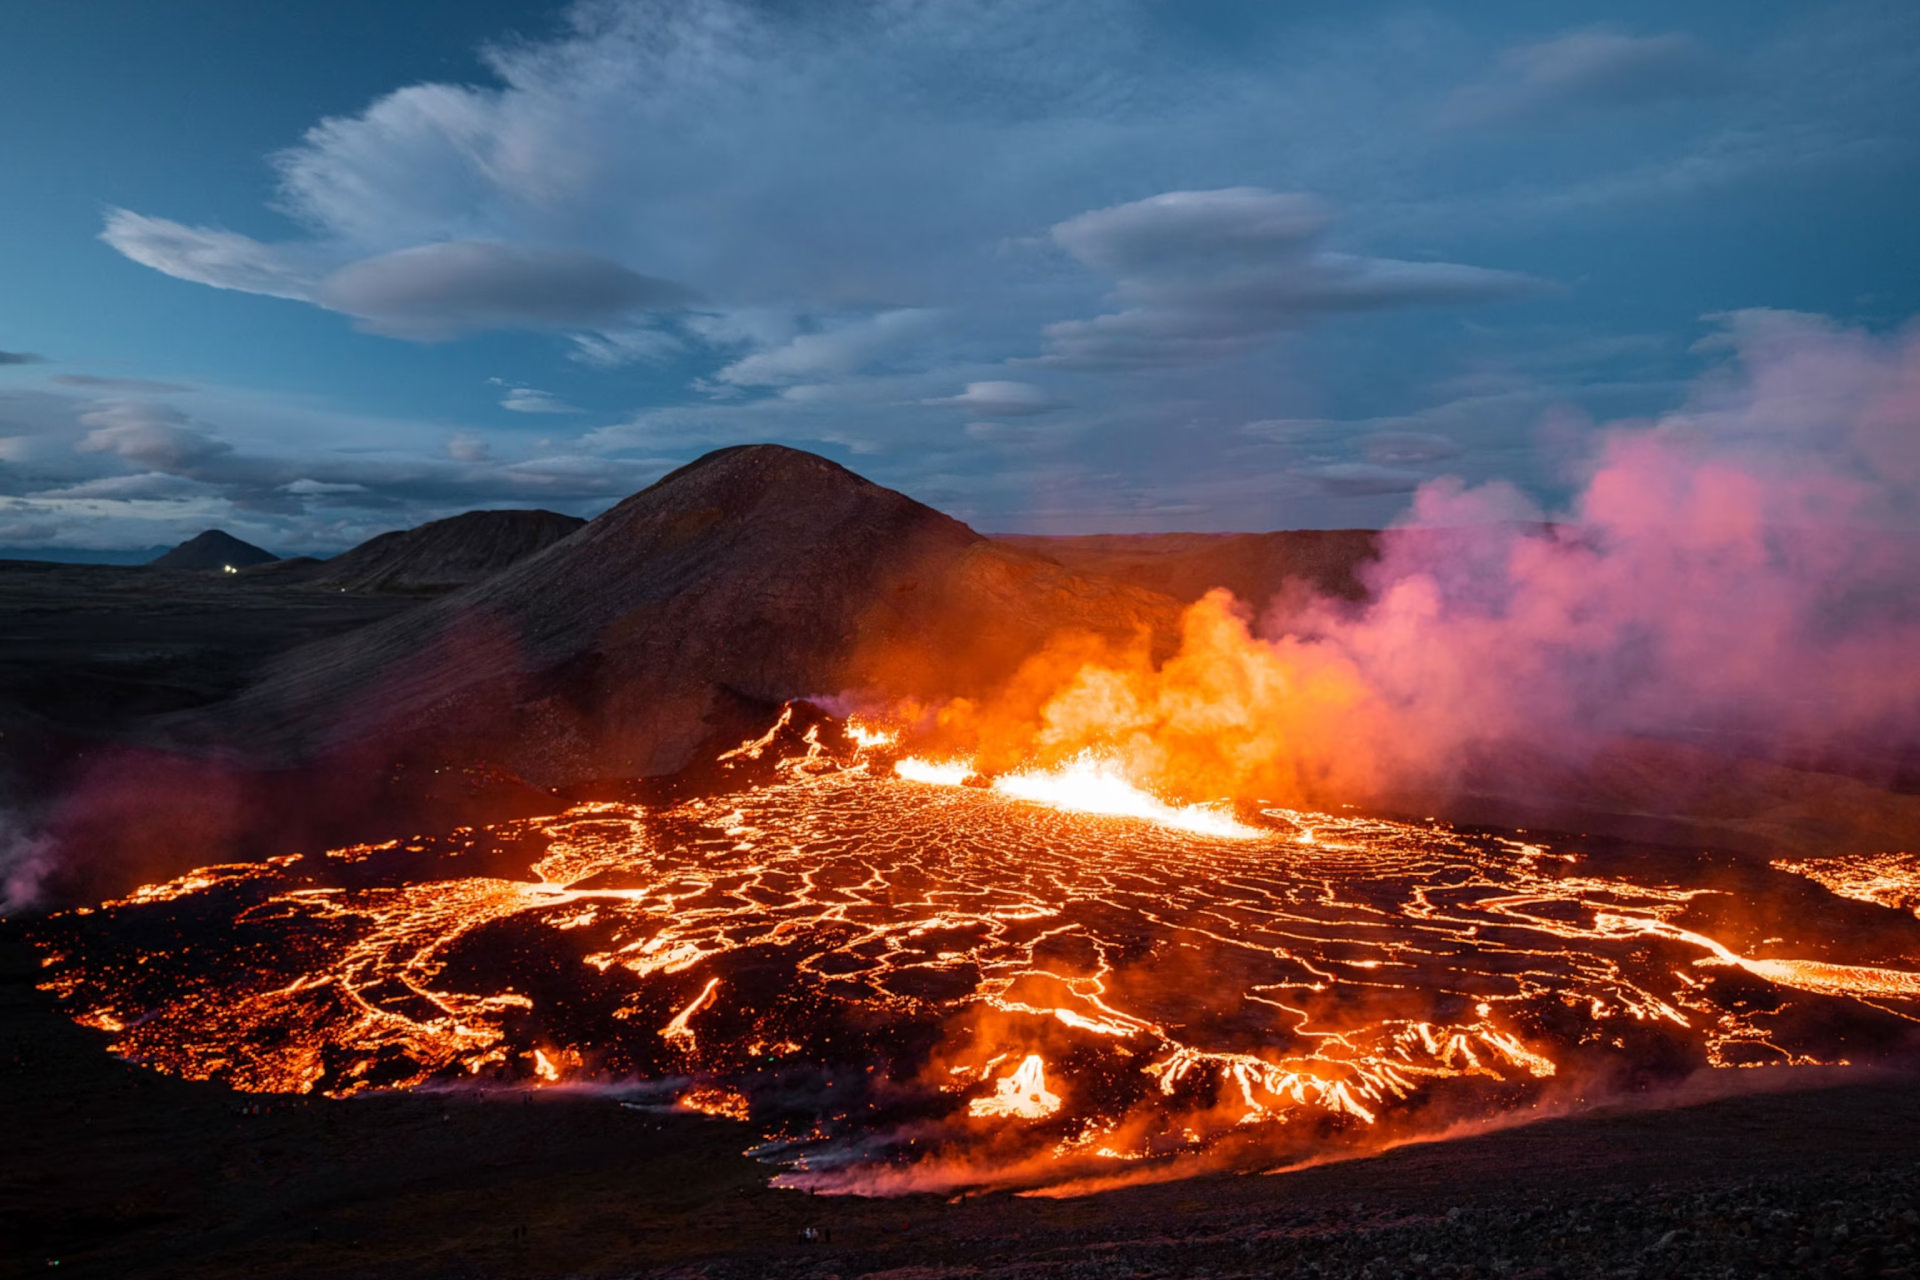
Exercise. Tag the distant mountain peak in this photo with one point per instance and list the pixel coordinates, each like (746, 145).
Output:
(212, 551)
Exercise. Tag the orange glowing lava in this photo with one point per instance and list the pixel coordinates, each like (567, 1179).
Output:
(1021, 1093)
(1036, 978)
(1886, 879)
(1089, 783)
(939, 773)
(867, 737)
(715, 1100)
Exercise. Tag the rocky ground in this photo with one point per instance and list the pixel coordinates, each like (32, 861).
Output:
(110, 1170)
(1862, 1224)
(92, 648)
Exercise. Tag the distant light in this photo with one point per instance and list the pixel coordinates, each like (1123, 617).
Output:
(227, 568)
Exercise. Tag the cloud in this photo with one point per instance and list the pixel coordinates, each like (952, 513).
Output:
(95, 382)
(1181, 231)
(1205, 274)
(308, 488)
(1002, 399)
(465, 446)
(846, 347)
(809, 168)
(20, 357)
(710, 143)
(221, 259)
(1397, 448)
(281, 471)
(1585, 70)
(442, 290)
(1361, 479)
(529, 400)
(139, 486)
(27, 532)
(616, 348)
(703, 142)
(425, 292)
(153, 436)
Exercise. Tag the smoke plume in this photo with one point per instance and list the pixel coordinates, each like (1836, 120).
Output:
(1737, 575)
(26, 861)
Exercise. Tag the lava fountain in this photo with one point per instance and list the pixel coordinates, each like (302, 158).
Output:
(904, 977)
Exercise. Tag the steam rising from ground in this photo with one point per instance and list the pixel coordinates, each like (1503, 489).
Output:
(1740, 573)
(27, 857)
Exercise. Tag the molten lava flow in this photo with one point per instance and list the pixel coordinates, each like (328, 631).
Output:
(716, 1100)
(1886, 879)
(678, 1029)
(1037, 980)
(939, 773)
(1022, 1093)
(1090, 784)
(867, 736)
(1806, 975)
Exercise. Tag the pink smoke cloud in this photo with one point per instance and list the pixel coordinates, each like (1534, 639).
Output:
(1742, 570)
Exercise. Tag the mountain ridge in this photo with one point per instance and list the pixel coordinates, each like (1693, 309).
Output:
(443, 555)
(750, 576)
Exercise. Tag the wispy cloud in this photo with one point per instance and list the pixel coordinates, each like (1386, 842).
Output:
(1354, 479)
(1002, 399)
(1203, 274)
(530, 400)
(427, 292)
(96, 382)
(842, 347)
(1593, 69)
(1037, 255)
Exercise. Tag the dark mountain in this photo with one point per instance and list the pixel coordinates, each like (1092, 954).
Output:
(751, 576)
(293, 570)
(1254, 566)
(213, 551)
(446, 554)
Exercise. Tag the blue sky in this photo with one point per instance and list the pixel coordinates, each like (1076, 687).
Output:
(309, 272)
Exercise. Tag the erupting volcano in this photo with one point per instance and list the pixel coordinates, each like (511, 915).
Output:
(918, 640)
(900, 975)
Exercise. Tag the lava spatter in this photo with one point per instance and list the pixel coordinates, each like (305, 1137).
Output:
(903, 981)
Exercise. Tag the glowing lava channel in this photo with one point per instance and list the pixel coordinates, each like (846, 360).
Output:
(1040, 988)
(1088, 783)
(937, 773)
(1022, 1093)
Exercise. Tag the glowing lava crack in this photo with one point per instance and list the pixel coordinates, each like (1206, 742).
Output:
(903, 982)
